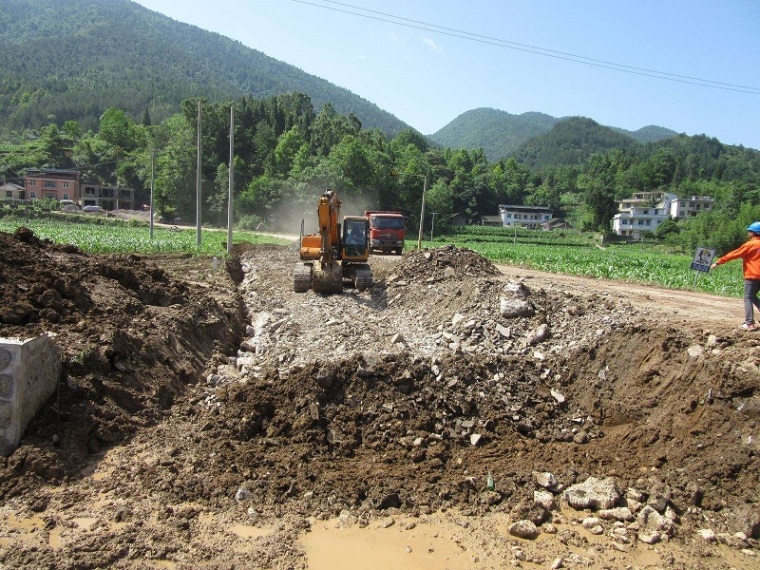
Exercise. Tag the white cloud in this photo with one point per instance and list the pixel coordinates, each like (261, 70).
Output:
(432, 45)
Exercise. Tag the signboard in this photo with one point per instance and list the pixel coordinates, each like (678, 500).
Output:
(703, 258)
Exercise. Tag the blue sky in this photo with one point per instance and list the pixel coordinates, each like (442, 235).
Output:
(429, 61)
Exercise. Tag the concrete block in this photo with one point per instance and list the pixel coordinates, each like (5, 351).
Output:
(29, 373)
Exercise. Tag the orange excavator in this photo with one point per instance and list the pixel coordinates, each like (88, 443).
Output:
(335, 253)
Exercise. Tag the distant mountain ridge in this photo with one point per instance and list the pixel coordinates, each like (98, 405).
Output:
(501, 134)
(73, 59)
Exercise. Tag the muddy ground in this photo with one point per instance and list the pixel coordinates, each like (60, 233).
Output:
(213, 418)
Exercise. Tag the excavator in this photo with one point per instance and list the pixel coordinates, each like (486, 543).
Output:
(335, 253)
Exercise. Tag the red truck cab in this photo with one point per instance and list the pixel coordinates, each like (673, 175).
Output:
(386, 231)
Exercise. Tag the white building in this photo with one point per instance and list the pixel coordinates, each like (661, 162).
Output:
(530, 217)
(681, 208)
(644, 211)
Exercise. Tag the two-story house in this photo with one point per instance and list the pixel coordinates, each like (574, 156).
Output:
(531, 217)
(108, 197)
(690, 206)
(58, 184)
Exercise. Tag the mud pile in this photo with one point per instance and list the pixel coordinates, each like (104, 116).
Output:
(132, 338)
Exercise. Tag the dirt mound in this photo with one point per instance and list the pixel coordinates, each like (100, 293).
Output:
(447, 262)
(132, 338)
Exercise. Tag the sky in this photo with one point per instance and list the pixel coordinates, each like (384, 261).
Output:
(692, 66)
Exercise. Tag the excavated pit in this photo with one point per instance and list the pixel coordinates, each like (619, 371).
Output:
(188, 396)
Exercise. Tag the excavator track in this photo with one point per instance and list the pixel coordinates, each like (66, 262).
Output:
(362, 277)
(302, 277)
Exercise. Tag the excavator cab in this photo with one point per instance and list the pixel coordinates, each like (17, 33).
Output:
(355, 239)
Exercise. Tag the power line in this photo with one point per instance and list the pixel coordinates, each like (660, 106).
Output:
(546, 52)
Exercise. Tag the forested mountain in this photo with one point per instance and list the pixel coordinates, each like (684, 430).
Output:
(571, 141)
(73, 59)
(501, 134)
(498, 133)
(648, 134)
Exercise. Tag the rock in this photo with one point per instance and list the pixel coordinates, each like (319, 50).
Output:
(695, 351)
(616, 514)
(516, 289)
(515, 308)
(706, 534)
(539, 334)
(545, 499)
(242, 494)
(744, 519)
(558, 396)
(581, 438)
(346, 519)
(652, 537)
(524, 529)
(650, 519)
(593, 494)
(398, 339)
(546, 480)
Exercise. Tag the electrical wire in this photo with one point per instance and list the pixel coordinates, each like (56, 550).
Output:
(546, 52)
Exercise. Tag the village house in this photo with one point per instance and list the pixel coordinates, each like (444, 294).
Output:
(645, 211)
(11, 191)
(531, 217)
(61, 184)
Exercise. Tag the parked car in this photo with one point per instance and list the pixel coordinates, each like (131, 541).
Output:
(68, 205)
(92, 209)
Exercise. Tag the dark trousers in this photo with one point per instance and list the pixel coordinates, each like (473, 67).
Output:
(751, 288)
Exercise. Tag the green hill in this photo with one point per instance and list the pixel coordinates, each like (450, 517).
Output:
(73, 59)
(498, 133)
(571, 141)
(501, 134)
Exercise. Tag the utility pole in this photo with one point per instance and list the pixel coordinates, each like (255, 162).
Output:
(152, 183)
(232, 178)
(198, 182)
(432, 226)
(422, 214)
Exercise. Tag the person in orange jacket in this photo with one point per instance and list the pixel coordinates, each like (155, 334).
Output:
(749, 253)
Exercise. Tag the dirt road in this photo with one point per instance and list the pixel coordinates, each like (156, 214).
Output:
(441, 419)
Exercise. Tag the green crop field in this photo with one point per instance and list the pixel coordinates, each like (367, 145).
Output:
(545, 251)
(631, 263)
(122, 238)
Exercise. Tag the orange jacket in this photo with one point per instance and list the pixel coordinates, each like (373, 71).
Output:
(749, 252)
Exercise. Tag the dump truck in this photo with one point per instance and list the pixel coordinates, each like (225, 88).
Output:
(336, 253)
(386, 231)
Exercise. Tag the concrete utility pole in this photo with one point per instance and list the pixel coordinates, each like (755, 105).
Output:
(198, 182)
(422, 214)
(232, 179)
(152, 183)
(432, 226)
